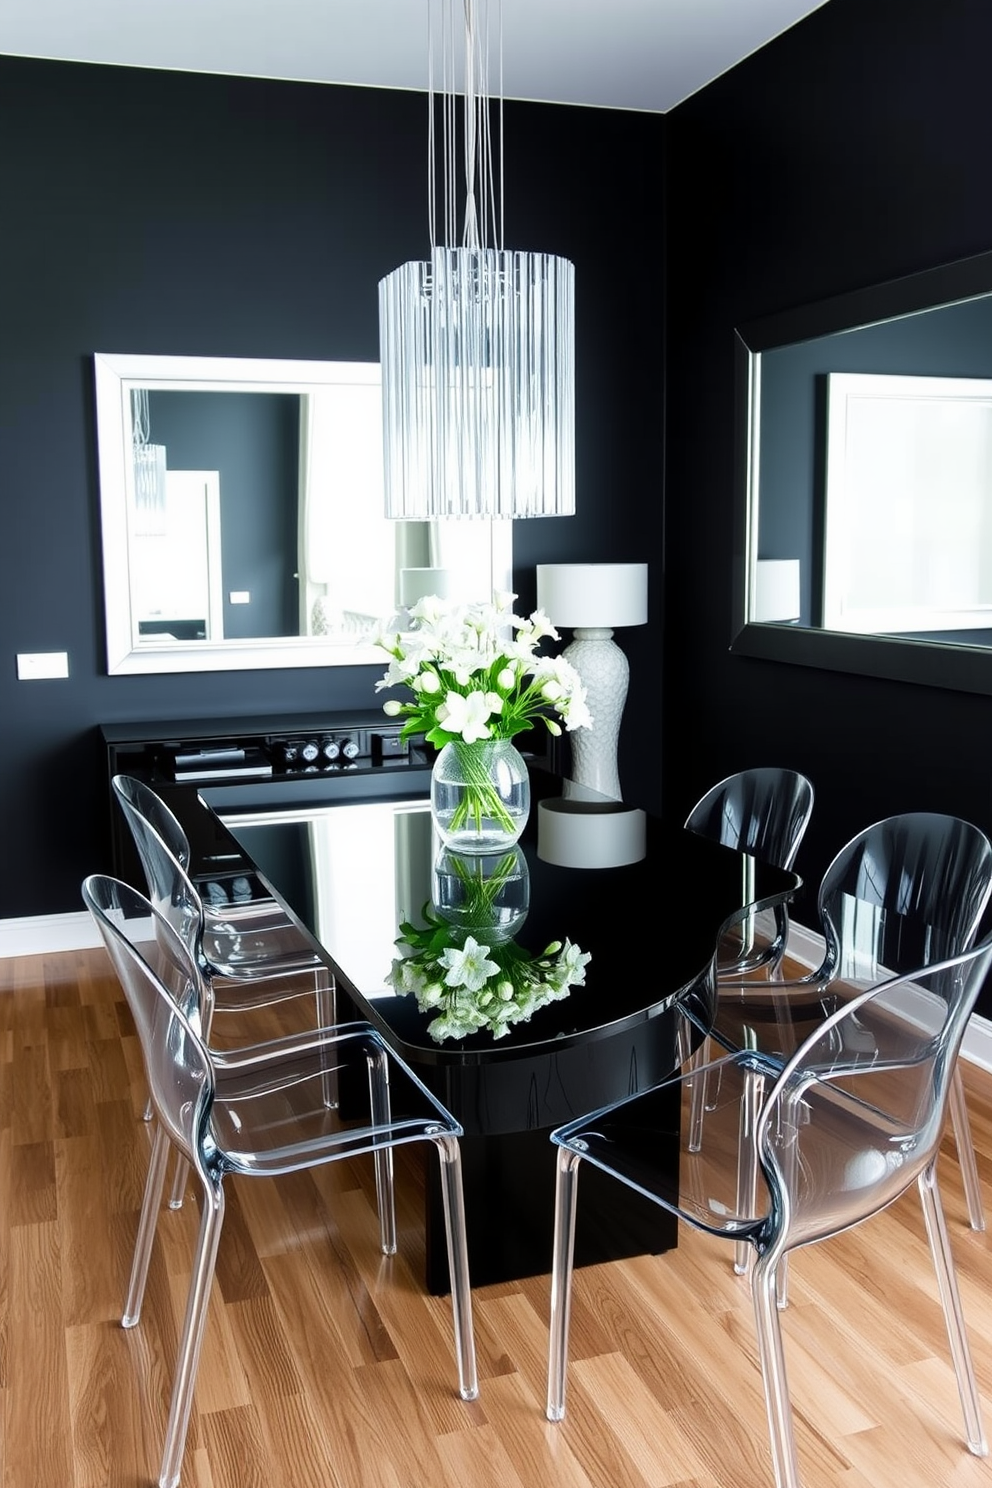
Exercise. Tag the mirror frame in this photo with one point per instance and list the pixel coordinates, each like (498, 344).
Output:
(115, 377)
(937, 664)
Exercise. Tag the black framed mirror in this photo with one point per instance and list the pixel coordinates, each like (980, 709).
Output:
(846, 557)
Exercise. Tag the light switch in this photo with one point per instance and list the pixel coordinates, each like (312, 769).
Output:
(240, 596)
(37, 664)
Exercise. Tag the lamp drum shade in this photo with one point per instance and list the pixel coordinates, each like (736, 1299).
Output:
(591, 595)
(578, 834)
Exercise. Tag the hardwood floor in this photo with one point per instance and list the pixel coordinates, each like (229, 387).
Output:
(326, 1364)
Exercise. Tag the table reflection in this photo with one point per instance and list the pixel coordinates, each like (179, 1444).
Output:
(463, 965)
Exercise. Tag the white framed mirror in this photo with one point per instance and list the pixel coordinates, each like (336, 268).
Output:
(242, 516)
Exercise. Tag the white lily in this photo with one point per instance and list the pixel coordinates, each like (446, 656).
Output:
(537, 627)
(431, 609)
(468, 967)
(466, 715)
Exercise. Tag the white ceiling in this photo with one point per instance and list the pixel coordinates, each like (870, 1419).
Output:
(635, 54)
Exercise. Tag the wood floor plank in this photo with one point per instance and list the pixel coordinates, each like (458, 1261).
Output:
(325, 1311)
(107, 1436)
(481, 1457)
(540, 1453)
(92, 1275)
(39, 1447)
(6, 1189)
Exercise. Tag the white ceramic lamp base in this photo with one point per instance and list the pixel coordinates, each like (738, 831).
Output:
(605, 674)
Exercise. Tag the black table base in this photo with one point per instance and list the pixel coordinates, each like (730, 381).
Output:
(510, 1210)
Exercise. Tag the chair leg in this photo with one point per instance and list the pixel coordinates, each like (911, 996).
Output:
(182, 1167)
(764, 1294)
(327, 1016)
(793, 1112)
(154, 1183)
(453, 1198)
(747, 1163)
(179, 1176)
(566, 1191)
(211, 1222)
(697, 1094)
(966, 1152)
(950, 1298)
(378, 1066)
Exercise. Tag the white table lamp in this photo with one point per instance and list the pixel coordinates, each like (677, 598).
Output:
(592, 600)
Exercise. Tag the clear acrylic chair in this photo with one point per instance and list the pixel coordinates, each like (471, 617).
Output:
(848, 1123)
(260, 1112)
(763, 812)
(245, 941)
(251, 957)
(907, 891)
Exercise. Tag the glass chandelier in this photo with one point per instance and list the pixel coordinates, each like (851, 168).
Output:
(477, 344)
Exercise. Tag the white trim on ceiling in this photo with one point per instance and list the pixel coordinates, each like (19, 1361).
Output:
(629, 54)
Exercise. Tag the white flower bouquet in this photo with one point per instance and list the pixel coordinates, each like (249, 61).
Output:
(475, 674)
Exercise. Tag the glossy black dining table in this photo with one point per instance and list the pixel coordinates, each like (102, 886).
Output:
(351, 871)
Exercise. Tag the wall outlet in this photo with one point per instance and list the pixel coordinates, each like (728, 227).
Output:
(36, 664)
(240, 596)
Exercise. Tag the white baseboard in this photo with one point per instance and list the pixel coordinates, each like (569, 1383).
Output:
(37, 935)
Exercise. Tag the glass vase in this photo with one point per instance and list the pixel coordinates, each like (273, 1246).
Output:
(480, 795)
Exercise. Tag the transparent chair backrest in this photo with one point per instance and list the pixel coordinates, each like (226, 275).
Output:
(841, 1135)
(164, 852)
(161, 985)
(136, 796)
(763, 812)
(905, 893)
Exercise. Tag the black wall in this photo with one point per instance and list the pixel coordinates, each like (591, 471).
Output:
(178, 214)
(852, 150)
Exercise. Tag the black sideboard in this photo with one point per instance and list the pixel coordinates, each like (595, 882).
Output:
(284, 762)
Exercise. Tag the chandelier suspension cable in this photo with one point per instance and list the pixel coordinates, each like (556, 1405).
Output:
(485, 186)
(499, 230)
(473, 103)
(451, 130)
(431, 148)
(477, 343)
(483, 212)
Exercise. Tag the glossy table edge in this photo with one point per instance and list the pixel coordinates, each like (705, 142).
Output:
(482, 1049)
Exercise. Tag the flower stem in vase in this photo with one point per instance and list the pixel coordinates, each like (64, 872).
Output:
(480, 795)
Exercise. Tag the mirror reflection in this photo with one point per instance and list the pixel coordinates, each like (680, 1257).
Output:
(242, 515)
(864, 468)
(871, 492)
